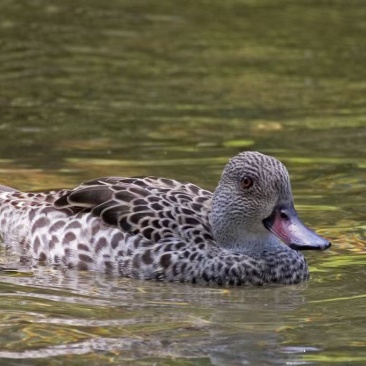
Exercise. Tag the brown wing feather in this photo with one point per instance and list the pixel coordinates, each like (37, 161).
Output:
(154, 207)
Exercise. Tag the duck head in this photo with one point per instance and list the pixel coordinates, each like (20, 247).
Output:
(253, 207)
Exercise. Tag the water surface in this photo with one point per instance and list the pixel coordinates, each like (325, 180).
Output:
(174, 89)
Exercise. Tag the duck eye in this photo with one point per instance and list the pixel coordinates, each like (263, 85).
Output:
(246, 182)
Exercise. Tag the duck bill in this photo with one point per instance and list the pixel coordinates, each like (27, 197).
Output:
(285, 224)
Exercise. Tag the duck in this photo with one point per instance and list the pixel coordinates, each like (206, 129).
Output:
(246, 232)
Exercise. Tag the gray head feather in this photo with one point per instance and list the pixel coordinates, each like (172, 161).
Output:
(237, 213)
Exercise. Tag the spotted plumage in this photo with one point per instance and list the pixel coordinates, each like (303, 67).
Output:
(157, 228)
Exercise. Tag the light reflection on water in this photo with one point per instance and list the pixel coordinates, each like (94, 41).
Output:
(141, 88)
(85, 312)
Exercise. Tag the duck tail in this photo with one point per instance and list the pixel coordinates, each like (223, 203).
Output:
(7, 189)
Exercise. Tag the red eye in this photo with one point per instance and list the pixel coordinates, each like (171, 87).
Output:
(246, 182)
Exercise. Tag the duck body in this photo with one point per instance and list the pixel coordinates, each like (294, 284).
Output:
(156, 228)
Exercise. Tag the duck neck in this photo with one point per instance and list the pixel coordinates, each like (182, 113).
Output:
(244, 241)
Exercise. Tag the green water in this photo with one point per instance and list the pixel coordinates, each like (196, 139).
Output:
(175, 88)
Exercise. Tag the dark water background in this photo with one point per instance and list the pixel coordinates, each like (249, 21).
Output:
(175, 88)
